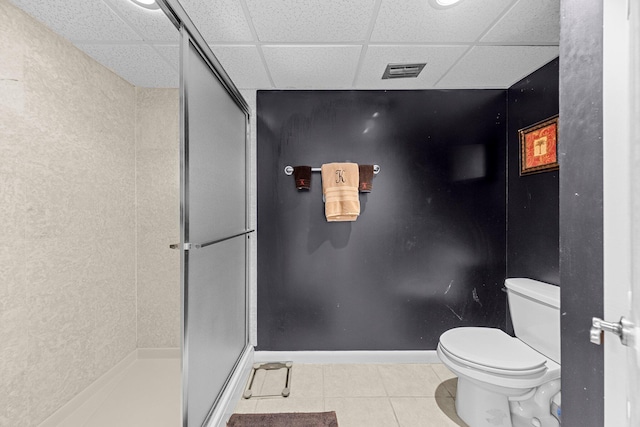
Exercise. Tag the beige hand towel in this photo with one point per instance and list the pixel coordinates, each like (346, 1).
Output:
(340, 191)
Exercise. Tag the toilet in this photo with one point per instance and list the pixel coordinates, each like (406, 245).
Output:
(507, 381)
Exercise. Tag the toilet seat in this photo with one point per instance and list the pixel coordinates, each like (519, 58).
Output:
(493, 351)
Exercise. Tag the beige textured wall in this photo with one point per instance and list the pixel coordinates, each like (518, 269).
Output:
(79, 148)
(67, 220)
(158, 216)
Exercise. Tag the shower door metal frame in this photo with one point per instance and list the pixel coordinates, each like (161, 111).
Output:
(178, 16)
(181, 20)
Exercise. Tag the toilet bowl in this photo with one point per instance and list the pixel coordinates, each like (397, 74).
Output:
(503, 380)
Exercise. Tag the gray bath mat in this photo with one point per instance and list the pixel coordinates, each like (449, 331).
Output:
(294, 419)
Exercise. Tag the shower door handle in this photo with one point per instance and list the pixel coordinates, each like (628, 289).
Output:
(189, 246)
(186, 246)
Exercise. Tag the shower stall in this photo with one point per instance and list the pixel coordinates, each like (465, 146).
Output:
(99, 177)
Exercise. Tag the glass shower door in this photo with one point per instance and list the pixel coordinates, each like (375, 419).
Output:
(213, 232)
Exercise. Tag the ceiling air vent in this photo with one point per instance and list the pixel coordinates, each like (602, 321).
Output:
(401, 71)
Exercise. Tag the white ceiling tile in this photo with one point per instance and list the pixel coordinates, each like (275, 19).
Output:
(438, 58)
(405, 31)
(171, 53)
(311, 21)
(497, 66)
(244, 66)
(219, 20)
(139, 64)
(418, 21)
(153, 25)
(79, 19)
(312, 67)
(528, 21)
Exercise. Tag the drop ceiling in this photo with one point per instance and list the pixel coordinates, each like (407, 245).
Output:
(318, 44)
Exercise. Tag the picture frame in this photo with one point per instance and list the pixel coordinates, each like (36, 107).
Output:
(539, 147)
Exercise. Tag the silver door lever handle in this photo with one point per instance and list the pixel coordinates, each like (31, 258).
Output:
(624, 329)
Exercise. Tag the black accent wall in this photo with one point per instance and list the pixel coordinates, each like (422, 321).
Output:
(428, 251)
(532, 200)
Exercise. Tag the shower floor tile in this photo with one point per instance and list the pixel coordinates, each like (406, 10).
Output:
(149, 394)
(389, 395)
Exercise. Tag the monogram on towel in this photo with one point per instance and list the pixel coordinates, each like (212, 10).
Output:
(340, 191)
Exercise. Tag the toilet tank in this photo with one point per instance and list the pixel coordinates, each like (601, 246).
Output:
(535, 312)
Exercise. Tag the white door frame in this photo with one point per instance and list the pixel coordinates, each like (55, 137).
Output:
(616, 203)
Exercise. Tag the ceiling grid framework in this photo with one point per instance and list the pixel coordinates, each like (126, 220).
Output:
(365, 48)
(319, 44)
(258, 46)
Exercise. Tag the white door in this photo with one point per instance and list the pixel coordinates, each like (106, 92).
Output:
(633, 352)
(621, 176)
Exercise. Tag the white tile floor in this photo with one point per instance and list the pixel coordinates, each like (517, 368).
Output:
(410, 395)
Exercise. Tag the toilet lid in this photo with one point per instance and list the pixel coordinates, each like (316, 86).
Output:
(492, 348)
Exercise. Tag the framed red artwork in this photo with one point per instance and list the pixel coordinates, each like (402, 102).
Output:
(539, 147)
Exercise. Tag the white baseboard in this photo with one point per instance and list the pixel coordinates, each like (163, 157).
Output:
(408, 356)
(88, 400)
(233, 392)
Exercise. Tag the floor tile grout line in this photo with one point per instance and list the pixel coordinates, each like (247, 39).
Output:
(322, 381)
(437, 374)
(324, 397)
(395, 415)
(442, 380)
(381, 378)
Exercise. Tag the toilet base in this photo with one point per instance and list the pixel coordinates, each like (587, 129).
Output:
(480, 407)
(536, 410)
